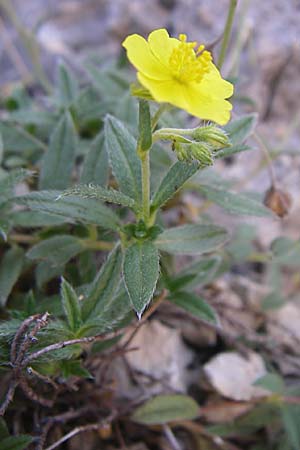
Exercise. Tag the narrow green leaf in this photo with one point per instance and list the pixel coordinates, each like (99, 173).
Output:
(16, 442)
(192, 239)
(70, 305)
(115, 313)
(195, 305)
(141, 271)
(1, 148)
(126, 166)
(44, 272)
(103, 287)
(234, 203)
(35, 219)
(291, 420)
(57, 250)
(196, 274)
(8, 183)
(173, 180)
(100, 193)
(16, 139)
(272, 382)
(229, 151)
(166, 408)
(73, 208)
(67, 86)
(145, 132)
(272, 301)
(241, 128)
(58, 161)
(109, 83)
(95, 166)
(10, 270)
(71, 368)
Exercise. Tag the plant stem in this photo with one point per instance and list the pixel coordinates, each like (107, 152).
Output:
(145, 159)
(162, 108)
(227, 32)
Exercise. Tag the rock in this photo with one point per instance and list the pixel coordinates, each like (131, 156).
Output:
(233, 376)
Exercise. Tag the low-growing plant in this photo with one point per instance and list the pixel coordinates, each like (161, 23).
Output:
(97, 171)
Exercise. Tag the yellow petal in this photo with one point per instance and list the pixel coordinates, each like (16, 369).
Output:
(214, 83)
(203, 103)
(162, 45)
(169, 91)
(140, 55)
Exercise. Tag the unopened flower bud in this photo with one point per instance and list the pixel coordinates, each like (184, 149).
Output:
(182, 151)
(202, 153)
(213, 135)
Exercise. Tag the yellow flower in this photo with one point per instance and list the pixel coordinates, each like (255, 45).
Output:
(177, 72)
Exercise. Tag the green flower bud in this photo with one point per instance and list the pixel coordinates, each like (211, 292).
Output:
(202, 152)
(213, 135)
(182, 151)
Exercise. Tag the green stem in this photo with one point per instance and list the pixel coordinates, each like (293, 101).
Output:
(227, 32)
(164, 107)
(145, 159)
(29, 42)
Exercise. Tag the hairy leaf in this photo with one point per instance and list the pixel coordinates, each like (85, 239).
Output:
(10, 269)
(192, 239)
(95, 166)
(141, 271)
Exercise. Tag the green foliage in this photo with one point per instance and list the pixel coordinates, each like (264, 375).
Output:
(141, 270)
(195, 305)
(166, 408)
(192, 239)
(95, 238)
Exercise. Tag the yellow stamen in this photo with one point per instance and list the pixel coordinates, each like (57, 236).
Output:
(186, 63)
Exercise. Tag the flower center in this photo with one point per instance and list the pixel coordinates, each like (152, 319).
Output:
(188, 64)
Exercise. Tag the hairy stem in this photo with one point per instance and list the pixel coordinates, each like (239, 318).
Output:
(145, 159)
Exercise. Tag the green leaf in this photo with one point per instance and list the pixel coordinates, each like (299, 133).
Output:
(10, 270)
(174, 179)
(291, 420)
(71, 305)
(16, 139)
(35, 219)
(234, 203)
(115, 312)
(95, 166)
(58, 161)
(192, 239)
(166, 408)
(3, 429)
(126, 166)
(73, 368)
(274, 300)
(145, 132)
(45, 273)
(8, 183)
(16, 442)
(100, 193)
(141, 271)
(195, 305)
(104, 286)
(67, 86)
(229, 151)
(239, 129)
(73, 208)
(108, 83)
(272, 382)
(58, 250)
(196, 274)
(1, 148)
